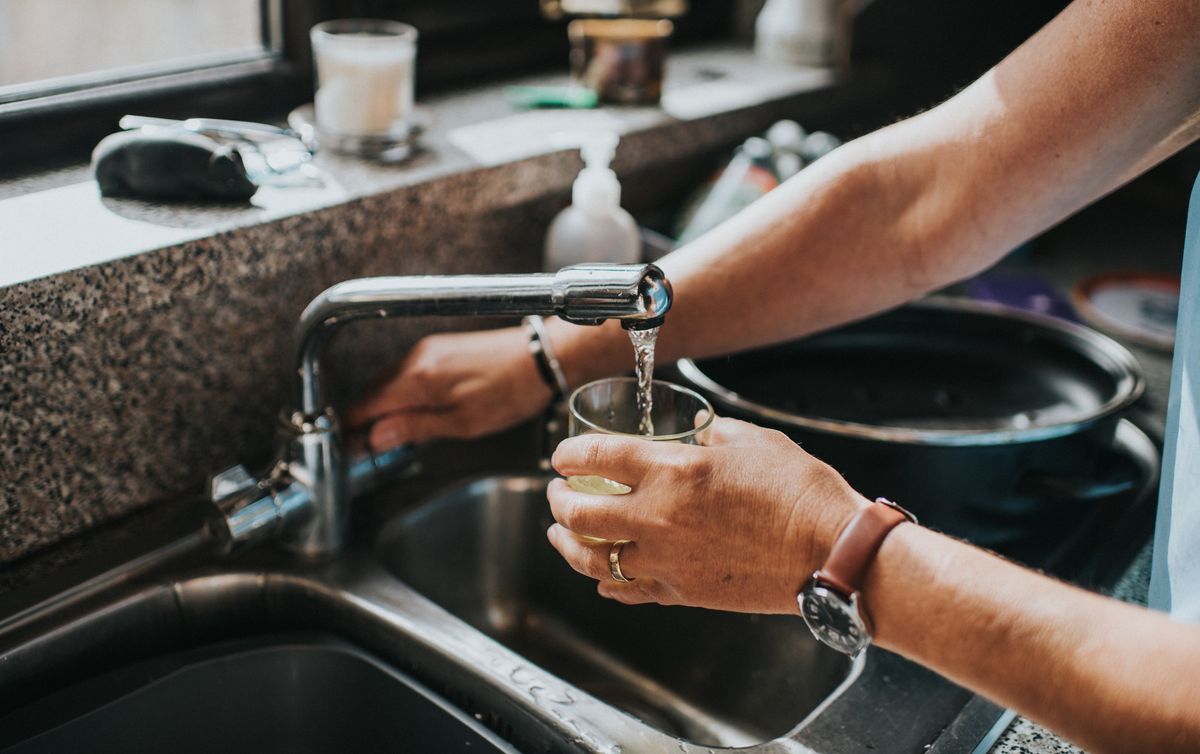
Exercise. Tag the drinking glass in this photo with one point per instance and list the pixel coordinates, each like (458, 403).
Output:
(610, 407)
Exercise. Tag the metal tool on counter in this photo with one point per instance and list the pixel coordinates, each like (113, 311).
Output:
(238, 129)
(273, 155)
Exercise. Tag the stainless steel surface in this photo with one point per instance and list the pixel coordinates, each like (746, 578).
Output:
(462, 593)
(246, 510)
(703, 671)
(294, 692)
(304, 501)
(239, 129)
(711, 678)
(1127, 385)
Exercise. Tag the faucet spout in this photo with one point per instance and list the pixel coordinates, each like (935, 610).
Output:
(588, 294)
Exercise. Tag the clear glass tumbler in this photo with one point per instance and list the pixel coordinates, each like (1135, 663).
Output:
(610, 406)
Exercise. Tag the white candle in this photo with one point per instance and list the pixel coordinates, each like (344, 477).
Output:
(364, 73)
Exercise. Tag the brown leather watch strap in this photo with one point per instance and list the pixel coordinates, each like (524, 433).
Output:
(857, 544)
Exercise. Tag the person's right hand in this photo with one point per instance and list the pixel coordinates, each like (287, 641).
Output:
(459, 385)
(739, 523)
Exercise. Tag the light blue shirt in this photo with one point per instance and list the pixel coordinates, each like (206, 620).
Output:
(1175, 575)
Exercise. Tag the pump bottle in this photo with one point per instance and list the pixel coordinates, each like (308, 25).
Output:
(594, 228)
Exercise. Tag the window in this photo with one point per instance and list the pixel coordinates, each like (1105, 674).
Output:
(49, 46)
(69, 69)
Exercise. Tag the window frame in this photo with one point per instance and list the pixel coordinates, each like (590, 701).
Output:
(63, 120)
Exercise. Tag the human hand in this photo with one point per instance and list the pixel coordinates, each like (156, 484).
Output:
(738, 524)
(455, 385)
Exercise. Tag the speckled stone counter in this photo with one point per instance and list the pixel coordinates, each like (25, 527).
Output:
(145, 346)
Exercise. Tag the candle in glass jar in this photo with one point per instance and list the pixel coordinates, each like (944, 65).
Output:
(364, 76)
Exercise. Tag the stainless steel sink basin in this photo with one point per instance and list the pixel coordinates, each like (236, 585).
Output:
(302, 694)
(711, 678)
(458, 593)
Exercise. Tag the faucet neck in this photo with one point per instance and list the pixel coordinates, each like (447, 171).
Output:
(584, 294)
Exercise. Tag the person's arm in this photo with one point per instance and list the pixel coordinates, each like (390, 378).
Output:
(1107, 675)
(1102, 93)
(743, 523)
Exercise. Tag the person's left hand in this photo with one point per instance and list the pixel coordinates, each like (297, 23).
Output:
(738, 524)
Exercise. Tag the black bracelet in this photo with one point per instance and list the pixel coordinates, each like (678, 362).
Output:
(543, 355)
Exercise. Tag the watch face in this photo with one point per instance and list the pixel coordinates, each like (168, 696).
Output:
(834, 620)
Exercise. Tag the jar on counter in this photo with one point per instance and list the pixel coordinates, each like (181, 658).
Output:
(622, 59)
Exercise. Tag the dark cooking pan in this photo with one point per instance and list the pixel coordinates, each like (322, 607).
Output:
(975, 416)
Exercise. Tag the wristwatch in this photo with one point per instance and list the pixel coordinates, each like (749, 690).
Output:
(831, 602)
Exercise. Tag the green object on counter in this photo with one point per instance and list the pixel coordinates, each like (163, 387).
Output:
(571, 97)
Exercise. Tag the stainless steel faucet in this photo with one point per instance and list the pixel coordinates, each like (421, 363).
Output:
(304, 499)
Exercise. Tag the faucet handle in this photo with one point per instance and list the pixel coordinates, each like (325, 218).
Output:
(243, 510)
(229, 482)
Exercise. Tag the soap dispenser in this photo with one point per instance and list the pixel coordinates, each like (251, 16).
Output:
(594, 228)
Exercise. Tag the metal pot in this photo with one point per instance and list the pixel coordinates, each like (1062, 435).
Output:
(979, 418)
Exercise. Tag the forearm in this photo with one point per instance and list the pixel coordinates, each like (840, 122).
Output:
(820, 250)
(1110, 676)
(1105, 91)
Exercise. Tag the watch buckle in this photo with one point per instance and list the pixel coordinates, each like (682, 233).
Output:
(912, 518)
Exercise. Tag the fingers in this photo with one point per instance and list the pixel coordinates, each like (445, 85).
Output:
(639, 592)
(592, 559)
(608, 517)
(416, 425)
(621, 459)
(399, 394)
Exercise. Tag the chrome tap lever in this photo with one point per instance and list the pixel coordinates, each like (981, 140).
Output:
(225, 484)
(244, 509)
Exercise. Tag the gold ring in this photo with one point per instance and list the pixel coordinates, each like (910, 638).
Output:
(614, 561)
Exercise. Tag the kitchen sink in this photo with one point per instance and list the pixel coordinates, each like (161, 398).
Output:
(711, 678)
(295, 694)
(448, 621)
